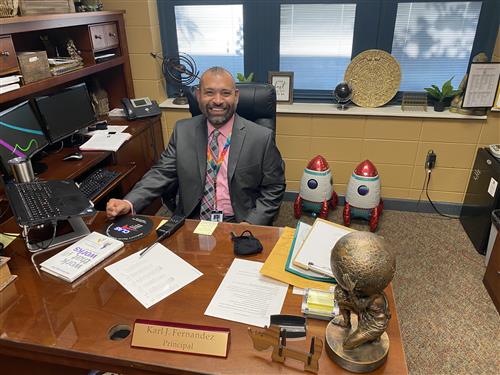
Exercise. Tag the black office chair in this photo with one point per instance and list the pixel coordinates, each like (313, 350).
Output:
(257, 103)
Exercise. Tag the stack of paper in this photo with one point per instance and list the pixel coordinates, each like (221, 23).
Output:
(64, 65)
(314, 254)
(82, 256)
(105, 142)
(9, 83)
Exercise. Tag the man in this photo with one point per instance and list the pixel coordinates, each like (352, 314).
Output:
(224, 166)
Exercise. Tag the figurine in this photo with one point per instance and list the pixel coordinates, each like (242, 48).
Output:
(457, 101)
(316, 189)
(363, 268)
(362, 198)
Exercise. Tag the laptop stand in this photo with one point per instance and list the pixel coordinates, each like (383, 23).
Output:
(80, 230)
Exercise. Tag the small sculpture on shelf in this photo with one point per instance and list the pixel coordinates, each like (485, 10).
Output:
(316, 189)
(343, 95)
(362, 198)
(363, 268)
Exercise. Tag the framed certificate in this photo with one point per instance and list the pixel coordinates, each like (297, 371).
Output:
(482, 85)
(283, 83)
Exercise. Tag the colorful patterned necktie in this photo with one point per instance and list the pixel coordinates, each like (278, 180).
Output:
(208, 200)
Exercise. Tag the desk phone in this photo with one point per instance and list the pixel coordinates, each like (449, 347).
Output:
(140, 108)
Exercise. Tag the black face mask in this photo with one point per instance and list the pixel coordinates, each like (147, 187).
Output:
(246, 244)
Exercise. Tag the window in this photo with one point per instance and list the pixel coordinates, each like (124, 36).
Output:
(433, 42)
(316, 43)
(212, 35)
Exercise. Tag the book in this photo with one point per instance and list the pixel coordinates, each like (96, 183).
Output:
(4, 89)
(8, 80)
(82, 256)
(105, 142)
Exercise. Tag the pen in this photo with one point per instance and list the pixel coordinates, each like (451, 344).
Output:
(321, 270)
(154, 243)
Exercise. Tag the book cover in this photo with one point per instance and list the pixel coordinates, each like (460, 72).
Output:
(82, 256)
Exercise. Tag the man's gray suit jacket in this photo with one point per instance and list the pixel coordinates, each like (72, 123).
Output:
(255, 170)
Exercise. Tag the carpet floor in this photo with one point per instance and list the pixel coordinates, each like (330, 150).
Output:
(448, 322)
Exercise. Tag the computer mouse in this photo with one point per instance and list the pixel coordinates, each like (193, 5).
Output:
(74, 156)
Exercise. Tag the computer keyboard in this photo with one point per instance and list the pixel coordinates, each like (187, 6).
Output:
(97, 181)
(36, 198)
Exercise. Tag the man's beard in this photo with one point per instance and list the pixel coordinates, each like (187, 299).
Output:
(222, 118)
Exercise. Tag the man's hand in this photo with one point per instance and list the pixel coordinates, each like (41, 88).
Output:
(117, 207)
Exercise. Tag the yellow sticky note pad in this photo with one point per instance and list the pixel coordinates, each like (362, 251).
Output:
(7, 238)
(206, 227)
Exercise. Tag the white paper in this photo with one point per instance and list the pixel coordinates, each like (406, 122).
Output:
(154, 276)
(117, 112)
(102, 142)
(246, 296)
(111, 128)
(492, 187)
(316, 249)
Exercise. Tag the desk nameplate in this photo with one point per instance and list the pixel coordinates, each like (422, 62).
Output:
(180, 337)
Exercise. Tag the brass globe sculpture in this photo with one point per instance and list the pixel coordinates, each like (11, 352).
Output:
(363, 267)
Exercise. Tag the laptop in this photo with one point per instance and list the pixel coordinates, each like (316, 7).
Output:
(39, 202)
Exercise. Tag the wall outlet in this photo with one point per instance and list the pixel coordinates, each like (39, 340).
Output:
(430, 160)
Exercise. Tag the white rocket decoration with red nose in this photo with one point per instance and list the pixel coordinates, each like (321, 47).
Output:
(362, 198)
(316, 189)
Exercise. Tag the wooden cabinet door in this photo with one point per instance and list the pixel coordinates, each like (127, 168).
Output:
(98, 37)
(8, 60)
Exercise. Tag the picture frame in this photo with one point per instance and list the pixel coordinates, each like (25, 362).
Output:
(283, 83)
(482, 85)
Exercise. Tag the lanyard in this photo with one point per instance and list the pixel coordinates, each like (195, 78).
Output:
(222, 155)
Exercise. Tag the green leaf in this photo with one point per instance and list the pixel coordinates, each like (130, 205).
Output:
(250, 77)
(433, 91)
(240, 77)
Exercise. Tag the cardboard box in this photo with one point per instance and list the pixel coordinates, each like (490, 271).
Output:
(34, 66)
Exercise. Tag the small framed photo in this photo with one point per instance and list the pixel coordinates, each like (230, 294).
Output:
(482, 85)
(283, 83)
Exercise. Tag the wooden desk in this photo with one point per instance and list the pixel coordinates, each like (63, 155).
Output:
(52, 322)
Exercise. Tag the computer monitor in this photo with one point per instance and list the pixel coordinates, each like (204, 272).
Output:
(21, 134)
(66, 112)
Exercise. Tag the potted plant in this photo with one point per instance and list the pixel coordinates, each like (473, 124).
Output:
(440, 95)
(242, 79)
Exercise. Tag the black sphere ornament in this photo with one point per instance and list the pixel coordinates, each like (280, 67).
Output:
(342, 94)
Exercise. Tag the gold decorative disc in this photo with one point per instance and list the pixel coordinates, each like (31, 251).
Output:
(375, 76)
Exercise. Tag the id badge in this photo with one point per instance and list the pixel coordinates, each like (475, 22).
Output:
(216, 216)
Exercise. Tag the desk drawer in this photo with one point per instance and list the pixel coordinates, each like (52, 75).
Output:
(8, 60)
(104, 36)
(111, 35)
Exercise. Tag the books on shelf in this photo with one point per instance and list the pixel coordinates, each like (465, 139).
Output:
(82, 256)
(105, 142)
(8, 80)
(4, 89)
(9, 83)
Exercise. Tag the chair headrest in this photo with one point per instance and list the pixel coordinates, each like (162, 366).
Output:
(257, 103)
